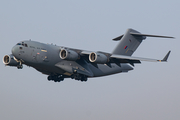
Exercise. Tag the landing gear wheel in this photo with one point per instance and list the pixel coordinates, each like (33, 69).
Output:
(19, 66)
(80, 77)
(55, 78)
(49, 78)
(83, 79)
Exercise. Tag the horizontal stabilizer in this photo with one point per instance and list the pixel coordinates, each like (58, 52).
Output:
(146, 35)
(118, 38)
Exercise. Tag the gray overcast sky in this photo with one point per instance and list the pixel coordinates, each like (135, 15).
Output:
(150, 92)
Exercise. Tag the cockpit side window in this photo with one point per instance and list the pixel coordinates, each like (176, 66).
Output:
(23, 44)
(26, 45)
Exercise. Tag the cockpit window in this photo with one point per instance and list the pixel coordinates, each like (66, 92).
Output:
(25, 45)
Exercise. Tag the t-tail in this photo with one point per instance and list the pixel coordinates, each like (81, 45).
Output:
(130, 41)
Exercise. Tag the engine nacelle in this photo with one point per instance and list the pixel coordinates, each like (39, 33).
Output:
(10, 61)
(66, 54)
(98, 58)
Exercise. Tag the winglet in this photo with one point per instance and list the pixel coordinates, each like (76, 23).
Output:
(166, 57)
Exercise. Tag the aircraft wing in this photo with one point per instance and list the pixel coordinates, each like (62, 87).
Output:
(132, 60)
(118, 59)
(140, 59)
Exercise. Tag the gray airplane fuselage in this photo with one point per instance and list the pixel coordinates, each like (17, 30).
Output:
(45, 58)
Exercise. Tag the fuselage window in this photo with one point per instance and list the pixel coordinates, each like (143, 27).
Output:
(18, 44)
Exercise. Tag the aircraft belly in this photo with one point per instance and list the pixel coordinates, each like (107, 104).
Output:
(49, 69)
(104, 70)
(75, 67)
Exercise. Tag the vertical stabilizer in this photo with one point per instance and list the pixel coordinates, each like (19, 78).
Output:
(128, 43)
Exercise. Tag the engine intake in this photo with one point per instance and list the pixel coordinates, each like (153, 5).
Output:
(10, 61)
(98, 58)
(66, 54)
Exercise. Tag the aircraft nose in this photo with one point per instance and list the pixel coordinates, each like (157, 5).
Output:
(14, 50)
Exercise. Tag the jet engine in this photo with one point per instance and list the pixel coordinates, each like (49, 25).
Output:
(98, 58)
(67, 54)
(10, 61)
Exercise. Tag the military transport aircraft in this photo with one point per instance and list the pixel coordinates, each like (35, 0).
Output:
(60, 62)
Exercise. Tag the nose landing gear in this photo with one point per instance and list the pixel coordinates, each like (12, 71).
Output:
(20, 66)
